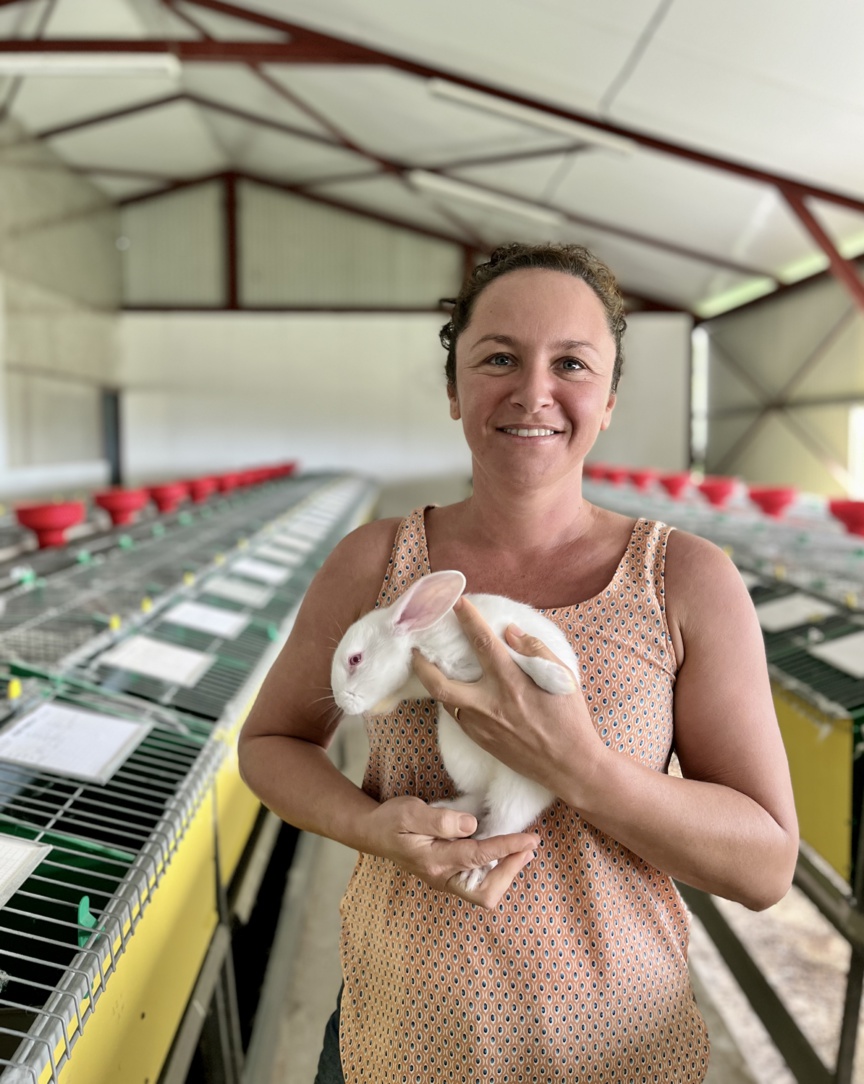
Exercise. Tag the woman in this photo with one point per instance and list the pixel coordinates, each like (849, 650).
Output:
(568, 961)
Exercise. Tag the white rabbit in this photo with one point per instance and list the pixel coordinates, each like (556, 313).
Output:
(372, 673)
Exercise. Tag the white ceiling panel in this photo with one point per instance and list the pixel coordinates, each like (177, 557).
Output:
(121, 188)
(554, 51)
(778, 86)
(218, 25)
(272, 154)
(240, 88)
(390, 197)
(173, 141)
(395, 115)
(45, 103)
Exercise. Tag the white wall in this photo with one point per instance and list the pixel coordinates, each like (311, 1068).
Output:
(651, 421)
(209, 392)
(59, 290)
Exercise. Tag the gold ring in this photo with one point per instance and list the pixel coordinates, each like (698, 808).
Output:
(456, 714)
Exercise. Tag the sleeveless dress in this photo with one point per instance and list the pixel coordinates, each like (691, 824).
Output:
(580, 974)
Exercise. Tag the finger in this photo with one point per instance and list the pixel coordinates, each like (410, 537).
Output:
(526, 644)
(439, 687)
(474, 853)
(496, 882)
(487, 646)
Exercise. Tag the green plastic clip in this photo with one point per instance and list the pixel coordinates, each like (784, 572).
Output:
(83, 557)
(185, 518)
(125, 542)
(86, 919)
(272, 632)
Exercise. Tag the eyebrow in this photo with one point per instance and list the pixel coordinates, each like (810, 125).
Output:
(563, 344)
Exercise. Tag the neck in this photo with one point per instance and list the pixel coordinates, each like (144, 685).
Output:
(532, 520)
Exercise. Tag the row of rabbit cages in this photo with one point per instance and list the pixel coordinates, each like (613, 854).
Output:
(805, 574)
(122, 814)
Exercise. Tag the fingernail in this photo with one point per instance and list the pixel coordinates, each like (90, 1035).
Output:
(466, 823)
(516, 630)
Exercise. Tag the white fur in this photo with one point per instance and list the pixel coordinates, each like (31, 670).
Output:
(502, 800)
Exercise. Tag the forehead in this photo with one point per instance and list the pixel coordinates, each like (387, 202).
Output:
(532, 302)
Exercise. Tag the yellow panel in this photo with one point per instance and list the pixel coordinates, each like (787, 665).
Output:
(127, 1039)
(236, 809)
(820, 760)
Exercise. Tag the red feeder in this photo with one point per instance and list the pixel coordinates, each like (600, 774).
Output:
(201, 488)
(643, 477)
(595, 471)
(773, 501)
(122, 505)
(717, 490)
(616, 475)
(50, 521)
(675, 484)
(226, 482)
(169, 495)
(850, 514)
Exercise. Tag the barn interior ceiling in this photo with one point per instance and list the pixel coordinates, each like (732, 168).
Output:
(712, 154)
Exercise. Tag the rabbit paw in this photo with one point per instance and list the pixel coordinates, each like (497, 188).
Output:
(471, 878)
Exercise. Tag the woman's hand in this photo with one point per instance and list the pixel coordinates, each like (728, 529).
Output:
(435, 845)
(547, 738)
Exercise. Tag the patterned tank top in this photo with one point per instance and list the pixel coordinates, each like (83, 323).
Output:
(580, 973)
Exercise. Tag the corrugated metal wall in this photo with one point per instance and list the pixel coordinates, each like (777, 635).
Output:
(784, 377)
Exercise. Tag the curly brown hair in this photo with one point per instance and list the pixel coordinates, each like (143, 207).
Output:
(573, 260)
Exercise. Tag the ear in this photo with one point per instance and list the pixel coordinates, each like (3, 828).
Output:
(426, 601)
(455, 413)
(607, 415)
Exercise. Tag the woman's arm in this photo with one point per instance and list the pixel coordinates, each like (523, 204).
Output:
(729, 825)
(283, 744)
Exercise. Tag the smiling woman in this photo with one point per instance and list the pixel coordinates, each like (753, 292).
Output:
(568, 960)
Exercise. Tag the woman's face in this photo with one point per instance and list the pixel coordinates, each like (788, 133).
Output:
(533, 376)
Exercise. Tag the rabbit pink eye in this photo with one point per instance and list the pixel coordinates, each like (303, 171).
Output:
(355, 660)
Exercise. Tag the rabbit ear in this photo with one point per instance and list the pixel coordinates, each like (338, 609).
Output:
(426, 601)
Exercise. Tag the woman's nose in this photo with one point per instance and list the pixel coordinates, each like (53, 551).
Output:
(533, 390)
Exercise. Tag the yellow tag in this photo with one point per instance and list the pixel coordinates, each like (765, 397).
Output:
(219, 559)
(146, 605)
(242, 544)
(13, 689)
(188, 578)
(114, 622)
(851, 600)
(729, 550)
(779, 572)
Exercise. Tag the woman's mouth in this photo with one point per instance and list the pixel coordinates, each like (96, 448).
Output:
(518, 432)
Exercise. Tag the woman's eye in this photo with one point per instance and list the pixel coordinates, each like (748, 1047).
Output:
(499, 361)
(572, 365)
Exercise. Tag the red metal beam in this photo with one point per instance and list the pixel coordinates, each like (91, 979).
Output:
(309, 47)
(399, 169)
(842, 269)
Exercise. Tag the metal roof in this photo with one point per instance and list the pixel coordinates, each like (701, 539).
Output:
(711, 153)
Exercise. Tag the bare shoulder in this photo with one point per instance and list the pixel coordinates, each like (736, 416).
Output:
(704, 589)
(353, 572)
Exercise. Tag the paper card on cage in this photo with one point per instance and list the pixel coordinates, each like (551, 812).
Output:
(846, 653)
(71, 742)
(18, 859)
(203, 618)
(263, 571)
(249, 594)
(281, 556)
(792, 610)
(167, 662)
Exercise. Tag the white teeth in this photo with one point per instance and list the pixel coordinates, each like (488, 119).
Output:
(530, 432)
